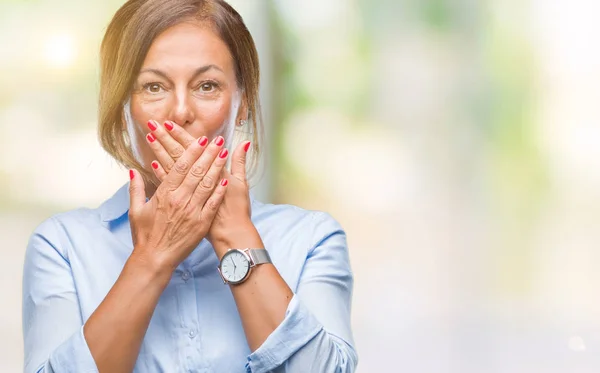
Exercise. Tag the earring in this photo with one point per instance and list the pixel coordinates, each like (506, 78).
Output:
(243, 127)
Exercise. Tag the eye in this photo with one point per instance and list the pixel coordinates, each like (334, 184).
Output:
(207, 87)
(153, 87)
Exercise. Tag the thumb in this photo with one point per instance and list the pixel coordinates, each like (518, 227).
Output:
(137, 191)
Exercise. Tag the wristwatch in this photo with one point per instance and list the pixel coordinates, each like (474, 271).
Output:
(236, 264)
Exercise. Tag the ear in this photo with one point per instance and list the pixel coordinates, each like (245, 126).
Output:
(243, 112)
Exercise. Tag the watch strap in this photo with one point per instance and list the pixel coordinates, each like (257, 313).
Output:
(259, 256)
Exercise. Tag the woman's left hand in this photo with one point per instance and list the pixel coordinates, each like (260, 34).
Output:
(232, 226)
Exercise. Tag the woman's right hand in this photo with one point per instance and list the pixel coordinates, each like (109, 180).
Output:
(167, 228)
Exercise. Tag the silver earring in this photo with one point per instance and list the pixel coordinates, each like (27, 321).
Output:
(242, 127)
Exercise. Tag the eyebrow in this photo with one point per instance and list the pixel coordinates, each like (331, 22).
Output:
(199, 71)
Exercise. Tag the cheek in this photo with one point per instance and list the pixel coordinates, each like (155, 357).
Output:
(211, 116)
(142, 112)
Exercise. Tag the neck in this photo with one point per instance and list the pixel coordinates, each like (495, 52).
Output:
(151, 186)
(150, 190)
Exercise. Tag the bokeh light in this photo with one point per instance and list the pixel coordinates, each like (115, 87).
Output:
(60, 50)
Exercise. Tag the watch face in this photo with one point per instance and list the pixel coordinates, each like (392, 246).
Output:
(234, 266)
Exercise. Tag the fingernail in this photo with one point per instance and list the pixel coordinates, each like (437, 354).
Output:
(223, 153)
(219, 140)
(150, 137)
(247, 146)
(131, 174)
(169, 126)
(152, 125)
(224, 182)
(154, 165)
(203, 141)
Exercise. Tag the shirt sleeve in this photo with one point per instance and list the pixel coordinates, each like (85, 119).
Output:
(315, 335)
(52, 323)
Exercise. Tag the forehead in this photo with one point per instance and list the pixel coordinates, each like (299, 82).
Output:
(188, 45)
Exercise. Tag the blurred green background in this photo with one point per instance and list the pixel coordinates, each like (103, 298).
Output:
(457, 141)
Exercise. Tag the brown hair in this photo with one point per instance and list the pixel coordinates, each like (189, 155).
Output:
(125, 45)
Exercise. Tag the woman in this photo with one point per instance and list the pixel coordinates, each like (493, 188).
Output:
(138, 283)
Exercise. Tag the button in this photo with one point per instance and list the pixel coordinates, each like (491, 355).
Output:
(192, 333)
(186, 276)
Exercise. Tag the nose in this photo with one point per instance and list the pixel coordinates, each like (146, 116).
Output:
(182, 112)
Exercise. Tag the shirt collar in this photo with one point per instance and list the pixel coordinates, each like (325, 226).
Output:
(116, 206)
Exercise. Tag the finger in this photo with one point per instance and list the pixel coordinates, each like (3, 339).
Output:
(137, 192)
(159, 171)
(200, 169)
(161, 153)
(172, 147)
(205, 187)
(238, 161)
(210, 208)
(180, 135)
(182, 166)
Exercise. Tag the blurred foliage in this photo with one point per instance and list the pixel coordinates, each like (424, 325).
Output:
(518, 177)
(289, 97)
(436, 14)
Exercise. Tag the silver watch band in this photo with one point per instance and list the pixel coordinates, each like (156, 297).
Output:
(259, 256)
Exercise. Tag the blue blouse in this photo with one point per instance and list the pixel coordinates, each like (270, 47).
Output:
(74, 258)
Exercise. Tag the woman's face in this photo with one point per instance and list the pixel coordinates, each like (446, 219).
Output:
(187, 77)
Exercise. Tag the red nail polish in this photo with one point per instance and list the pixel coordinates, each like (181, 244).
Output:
(169, 126)
(150, 137)
(151, 125)
(154, 165)
(224, 182)
(203, 141)
(247, 146)
(131, 174)
(219, 141)
(223, 153)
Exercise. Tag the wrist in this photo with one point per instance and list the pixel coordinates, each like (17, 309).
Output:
(237, 236)
(151, 267)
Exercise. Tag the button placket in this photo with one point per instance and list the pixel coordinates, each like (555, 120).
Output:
(191, 331)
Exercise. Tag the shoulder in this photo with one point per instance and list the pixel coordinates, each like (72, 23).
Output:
(61, 229)
(58, 230)
(295, 236)
(311, 226)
